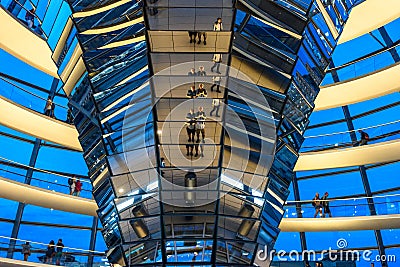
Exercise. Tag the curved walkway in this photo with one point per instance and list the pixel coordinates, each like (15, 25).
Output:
(45, 198)
(375, 12)
(5, 262)
(49, 199)
(363, 88)
(35, 124)
(14, 37)
(340, 223)
(354, 156)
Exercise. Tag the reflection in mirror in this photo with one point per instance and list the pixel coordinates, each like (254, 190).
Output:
(181, 87)
(183, 19)
(179, 41)
(185, 3)
(162, 61)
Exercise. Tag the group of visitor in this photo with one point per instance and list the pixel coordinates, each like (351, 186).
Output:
(75, 186)
(321, 205)
(53, 251)
(49, 111)
(193, 34)
(30, 21)
(195, 126)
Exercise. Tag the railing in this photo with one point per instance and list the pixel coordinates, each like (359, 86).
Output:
(362, 67)
(345, 207)
(377, 134)
(24, 97)
(13, 5)
(71, 257)
(42, 178)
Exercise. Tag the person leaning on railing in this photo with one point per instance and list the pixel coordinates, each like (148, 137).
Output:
(50, 252)
(364, 138)
(325, 205)
(59, 253)
(317, 205)
(29, 18)
(26, 250)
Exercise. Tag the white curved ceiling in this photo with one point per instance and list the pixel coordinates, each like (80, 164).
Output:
(19, 41)
(347, 157)
(35, 124)
(368, 16)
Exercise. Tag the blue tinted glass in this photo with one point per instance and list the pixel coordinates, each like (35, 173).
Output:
(39, 214)
(326, 240)
(345, 184)
(383, 177)
(61, 160)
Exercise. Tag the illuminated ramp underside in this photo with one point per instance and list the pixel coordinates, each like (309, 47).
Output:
(14, 38)
(35, 124)
(45, 198)
(355, 156)
(48, 199)
(360, 89)
(368, 16)
(340, 223)
(4, 262)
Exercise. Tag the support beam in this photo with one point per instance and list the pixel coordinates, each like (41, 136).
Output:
(21, 205)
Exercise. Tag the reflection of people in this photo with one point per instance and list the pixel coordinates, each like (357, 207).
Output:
(204, 34)
(153, 10)
(218, 25)
(189, 149)
(191, 93)
(199, 149)
(192, 36)
(70, 118)
(190, 125)
(215, 104)
(200, 124)
(317, 205)
(325, 204)
(162, 163)
(201, 91)
(217, 58)
(162, 166)
(201, 71)
(192, 72)
(322, 37)
(216, 82)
